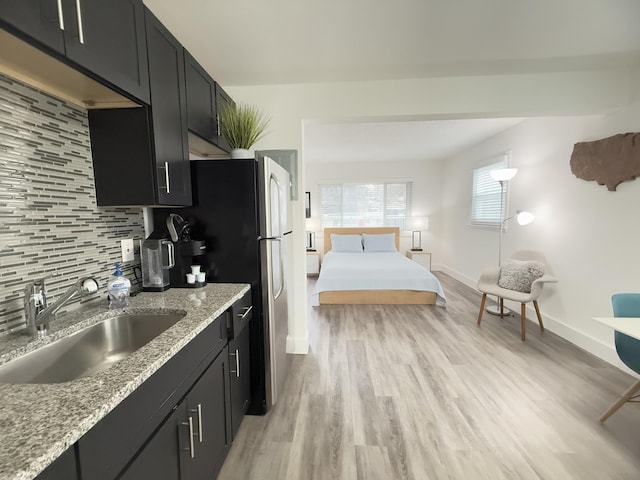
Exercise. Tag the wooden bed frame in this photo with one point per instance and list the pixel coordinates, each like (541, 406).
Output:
(372, 297)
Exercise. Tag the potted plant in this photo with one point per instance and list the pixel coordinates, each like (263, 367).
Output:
(242, 126)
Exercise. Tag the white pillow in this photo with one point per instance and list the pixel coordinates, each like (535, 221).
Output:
(518, 275)
(346, 243)
(385, 242)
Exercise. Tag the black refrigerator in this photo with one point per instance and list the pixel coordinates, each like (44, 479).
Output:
(241, 211)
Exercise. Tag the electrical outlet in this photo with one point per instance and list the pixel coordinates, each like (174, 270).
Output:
(127, 249)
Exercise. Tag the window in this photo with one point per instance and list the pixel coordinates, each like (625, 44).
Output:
(486, 194)
(365, 204)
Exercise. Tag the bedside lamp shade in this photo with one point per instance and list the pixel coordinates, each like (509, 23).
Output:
(311, 225)
(417, 225)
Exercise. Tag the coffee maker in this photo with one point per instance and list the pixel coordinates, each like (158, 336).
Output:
(186, 251)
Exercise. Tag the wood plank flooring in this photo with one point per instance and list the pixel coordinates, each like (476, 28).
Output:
(420, 392)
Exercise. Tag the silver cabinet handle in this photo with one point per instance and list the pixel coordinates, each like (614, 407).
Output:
(218, 123)
(200, 422)
(191, 447)
(79, 14)
(237, 370)
(246, 311)
(60, 15)
(198, 411)
(166, 175)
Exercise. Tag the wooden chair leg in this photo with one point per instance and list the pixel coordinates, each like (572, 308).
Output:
(535, 304)
(523, 319)
(501, 307)
(621, 401)
(484, 299)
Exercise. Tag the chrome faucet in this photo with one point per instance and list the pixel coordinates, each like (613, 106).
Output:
(36, 312)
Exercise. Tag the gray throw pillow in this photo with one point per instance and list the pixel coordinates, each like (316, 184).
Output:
(518, 275)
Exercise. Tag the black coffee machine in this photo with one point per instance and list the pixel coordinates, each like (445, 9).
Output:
(186, 251)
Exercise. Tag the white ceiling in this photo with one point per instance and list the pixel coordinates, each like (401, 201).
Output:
(252, 42)
(397, 141)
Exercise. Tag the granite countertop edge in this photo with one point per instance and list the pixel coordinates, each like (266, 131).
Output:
(34, 433)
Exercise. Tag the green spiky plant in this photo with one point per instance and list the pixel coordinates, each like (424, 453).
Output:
(243, 125)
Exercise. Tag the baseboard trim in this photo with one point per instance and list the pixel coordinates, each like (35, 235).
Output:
(555, 325)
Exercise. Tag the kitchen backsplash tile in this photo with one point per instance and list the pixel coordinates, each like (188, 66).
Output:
(49, 221)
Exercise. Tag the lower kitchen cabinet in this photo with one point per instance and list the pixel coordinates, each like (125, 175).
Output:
(208, 422)
(240, 378)
(193, 441)
(159, 459)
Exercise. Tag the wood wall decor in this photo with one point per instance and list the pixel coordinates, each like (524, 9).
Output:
(609, 161)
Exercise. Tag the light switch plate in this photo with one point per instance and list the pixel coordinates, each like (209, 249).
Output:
(127, 250)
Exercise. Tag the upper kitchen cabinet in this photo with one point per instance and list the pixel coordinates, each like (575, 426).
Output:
(203, 107)
(222, 101)
(103, 39)
(140, 155)
(168, 112)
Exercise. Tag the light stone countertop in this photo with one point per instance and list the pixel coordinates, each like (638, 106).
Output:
(39, 422)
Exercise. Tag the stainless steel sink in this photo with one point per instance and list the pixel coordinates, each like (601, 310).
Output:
(87, 351)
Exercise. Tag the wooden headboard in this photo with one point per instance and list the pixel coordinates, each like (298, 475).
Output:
(359, 231)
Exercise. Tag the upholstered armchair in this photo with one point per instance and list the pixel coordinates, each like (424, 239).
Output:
(488, 285)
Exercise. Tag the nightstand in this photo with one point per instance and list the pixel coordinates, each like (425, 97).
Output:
(313, 264)
(421, 258)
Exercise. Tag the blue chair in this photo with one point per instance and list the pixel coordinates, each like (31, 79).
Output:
(628, 348)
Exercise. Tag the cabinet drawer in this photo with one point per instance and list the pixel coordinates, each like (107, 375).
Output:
(242, 312)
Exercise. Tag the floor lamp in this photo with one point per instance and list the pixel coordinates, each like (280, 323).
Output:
(503, 175)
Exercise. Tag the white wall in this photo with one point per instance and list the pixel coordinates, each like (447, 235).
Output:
(426, 193)
(462, 97)
(587, 235)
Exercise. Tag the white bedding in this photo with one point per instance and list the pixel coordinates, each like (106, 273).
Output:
(374, 271)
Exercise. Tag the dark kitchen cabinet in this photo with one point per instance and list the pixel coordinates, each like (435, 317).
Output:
(204, 100)
(239, 360)
(104, 452)
(208, 422)
(201, 100)
(35, 20)
(222, 101)
(168, 113)
(64, 468)
(193, 442)
(140, 155)
(104, 39)
(159, 459)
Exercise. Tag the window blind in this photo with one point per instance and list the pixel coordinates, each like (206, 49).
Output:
(365, 204)
(485, 196)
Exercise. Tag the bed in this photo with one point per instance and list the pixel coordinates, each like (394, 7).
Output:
(378, 277)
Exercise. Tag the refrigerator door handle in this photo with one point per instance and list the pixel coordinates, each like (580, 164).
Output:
(277, 239)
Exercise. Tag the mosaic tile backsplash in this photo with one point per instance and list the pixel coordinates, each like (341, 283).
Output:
(49, 221)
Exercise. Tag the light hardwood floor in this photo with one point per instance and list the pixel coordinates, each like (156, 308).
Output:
(420, 392)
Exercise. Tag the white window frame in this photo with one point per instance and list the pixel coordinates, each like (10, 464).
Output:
(486, 192)
(363, 222)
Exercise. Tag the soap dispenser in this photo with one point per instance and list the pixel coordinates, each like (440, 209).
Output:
(118, 288)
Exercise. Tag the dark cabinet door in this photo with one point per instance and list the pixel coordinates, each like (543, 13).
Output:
(168, 113)
(209, 421)
(159, 459)
(201, 100)
(63, 468)
(39, 20)
(107, 38)
(222, 101)
(240, 379)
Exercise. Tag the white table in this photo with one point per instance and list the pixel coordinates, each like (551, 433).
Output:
(627, 325)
